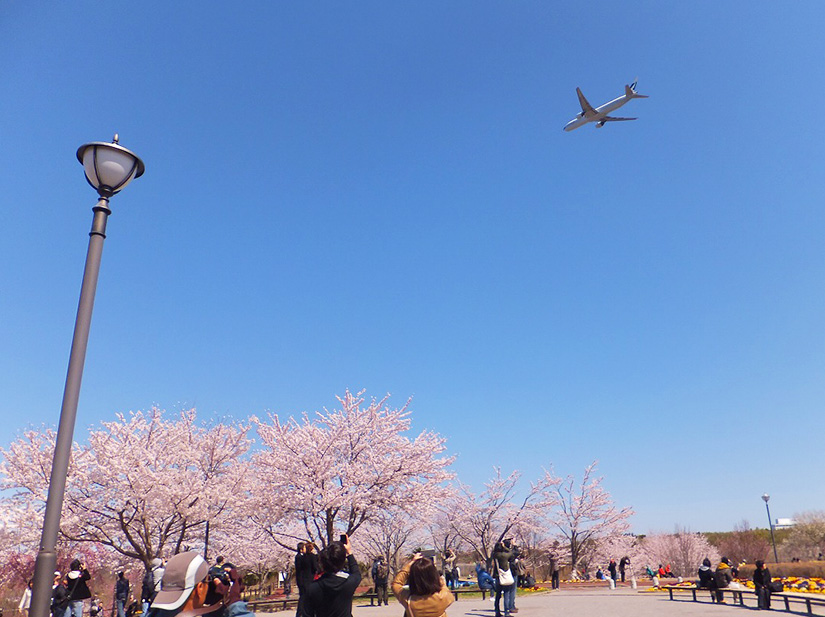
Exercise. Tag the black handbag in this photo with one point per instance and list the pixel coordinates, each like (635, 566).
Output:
(776, 586)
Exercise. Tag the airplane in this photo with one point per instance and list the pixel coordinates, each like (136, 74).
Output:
(599, 115)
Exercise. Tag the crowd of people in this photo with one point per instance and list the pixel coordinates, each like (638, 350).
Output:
(327, 580)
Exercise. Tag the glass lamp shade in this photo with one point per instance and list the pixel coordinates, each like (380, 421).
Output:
(109, 167)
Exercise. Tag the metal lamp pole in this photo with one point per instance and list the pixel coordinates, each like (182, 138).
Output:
(109, 168)
(766, 497)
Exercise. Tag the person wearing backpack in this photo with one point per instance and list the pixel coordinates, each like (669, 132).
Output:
(380, 575)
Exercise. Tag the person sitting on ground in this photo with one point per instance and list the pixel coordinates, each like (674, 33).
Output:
(331, 594)
(723, 577)
(599, 574)
(420, 590)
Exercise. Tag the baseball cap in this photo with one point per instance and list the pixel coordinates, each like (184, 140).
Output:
(183, 572)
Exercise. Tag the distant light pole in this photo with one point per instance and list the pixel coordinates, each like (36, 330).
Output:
(109, 167)
(767, 497)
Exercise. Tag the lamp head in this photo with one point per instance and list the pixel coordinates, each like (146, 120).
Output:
(109, 166)
(765, 497)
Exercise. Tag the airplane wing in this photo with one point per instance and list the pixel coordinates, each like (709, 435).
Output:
(587, 108)
(612, 119)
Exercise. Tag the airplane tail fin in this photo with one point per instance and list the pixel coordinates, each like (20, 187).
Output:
(630, 92)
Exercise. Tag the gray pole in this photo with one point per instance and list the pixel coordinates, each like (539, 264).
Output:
(773, 540)
(46, 561)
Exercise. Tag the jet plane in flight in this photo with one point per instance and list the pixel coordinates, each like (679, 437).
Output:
(599, 115)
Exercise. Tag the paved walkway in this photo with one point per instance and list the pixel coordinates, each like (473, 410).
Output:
(571, 603)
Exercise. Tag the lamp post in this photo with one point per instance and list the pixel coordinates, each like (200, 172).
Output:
(766, 498)
(109, 168)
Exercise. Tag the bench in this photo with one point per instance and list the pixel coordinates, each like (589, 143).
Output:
(738, 596)
(270, 606)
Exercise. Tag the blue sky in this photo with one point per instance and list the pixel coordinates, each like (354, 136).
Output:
(379, 195)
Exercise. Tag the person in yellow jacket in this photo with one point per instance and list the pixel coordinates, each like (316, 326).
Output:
(421, 590)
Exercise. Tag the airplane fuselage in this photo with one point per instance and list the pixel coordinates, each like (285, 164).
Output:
(601, 112)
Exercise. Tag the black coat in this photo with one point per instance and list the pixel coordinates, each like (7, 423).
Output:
(705, 577)
(78, 589)
(306, 567)
(761, 578)
(331, 595)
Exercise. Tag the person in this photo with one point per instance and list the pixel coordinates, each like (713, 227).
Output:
(151, 583)
(26, 599)
(331, 594)
(60, 596)
(219, 584)
(78, 589)
(761, 580)
(121, 593)
(722, 577)
(624, 563)
(448, 560)
(649, 571)
(216, 571)
(554, 570)
(705, 575)
(184, 586)
(611, 567)
(380, 577)
(306, 568)
(501, 570)
(420, 590)
(485, 581)
(95, 610)
(599, 574)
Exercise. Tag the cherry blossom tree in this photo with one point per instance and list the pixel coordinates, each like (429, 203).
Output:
(391, 534)
(486, 518)
(683, 550)
(141, 486)
(333, 471)
(583, 512)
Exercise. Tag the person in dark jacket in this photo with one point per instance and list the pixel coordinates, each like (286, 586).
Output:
(60, 596)
(723, 577)
(306, 567)
(611, 567)
(761, 580)
(121, 593)
(706, 575)
(624, 564)
(331, 595)
(78, 589)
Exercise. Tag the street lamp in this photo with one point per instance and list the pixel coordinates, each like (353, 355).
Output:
(767, 497)
(109, 168)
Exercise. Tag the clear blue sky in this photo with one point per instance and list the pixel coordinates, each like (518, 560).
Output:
(379, 195)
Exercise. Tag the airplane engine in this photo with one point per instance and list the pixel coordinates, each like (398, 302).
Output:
(599, 125)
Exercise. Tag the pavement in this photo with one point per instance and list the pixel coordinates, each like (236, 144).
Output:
(570, 603)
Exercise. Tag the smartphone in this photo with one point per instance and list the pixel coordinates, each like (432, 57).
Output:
(344, 538)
